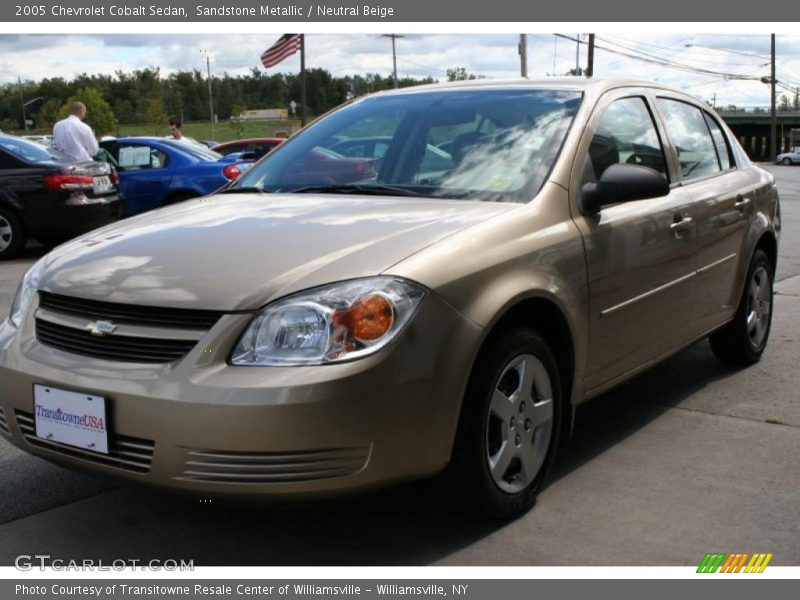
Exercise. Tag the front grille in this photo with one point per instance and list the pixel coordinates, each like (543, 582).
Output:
(113, 347)
(217, 466)
(3, 422)
(124, 452)
(130, 314)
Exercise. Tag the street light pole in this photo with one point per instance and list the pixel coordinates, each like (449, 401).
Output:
(207, 54)
(523, 55)
(24, 104)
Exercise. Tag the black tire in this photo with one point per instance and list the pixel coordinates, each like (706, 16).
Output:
(740, 342)
(786, 161)
(469, 476)
(12, 234)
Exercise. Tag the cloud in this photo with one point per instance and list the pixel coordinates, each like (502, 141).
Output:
(418, 55)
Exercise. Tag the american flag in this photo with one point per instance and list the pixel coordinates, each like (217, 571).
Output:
(288, 44)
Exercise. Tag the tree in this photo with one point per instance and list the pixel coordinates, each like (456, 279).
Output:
(235, 122)
(459, 74)
(151, 111)
(49, 113)
(99, 115)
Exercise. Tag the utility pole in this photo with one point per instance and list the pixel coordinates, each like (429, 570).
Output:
(590, 57)
(577, 54)
(394, 37)
(772, 122)
(207, 54)
(523, 55)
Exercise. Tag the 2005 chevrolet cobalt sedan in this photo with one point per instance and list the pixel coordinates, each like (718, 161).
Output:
(439, 306)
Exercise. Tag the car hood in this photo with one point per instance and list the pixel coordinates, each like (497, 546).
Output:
(236, 252)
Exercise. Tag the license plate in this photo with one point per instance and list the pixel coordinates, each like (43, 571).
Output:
(70, 418)
(102, 184)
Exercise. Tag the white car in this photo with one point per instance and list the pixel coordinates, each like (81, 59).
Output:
(789, 158)
(45, 140)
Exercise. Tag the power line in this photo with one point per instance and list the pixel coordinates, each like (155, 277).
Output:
(405, 60)
(663, 62)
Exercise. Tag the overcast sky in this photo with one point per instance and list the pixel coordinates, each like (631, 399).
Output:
(35, 56)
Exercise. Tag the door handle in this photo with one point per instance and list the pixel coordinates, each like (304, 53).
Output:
(681, 224)
(742, 204)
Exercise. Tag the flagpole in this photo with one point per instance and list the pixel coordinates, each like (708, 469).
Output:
(302, 80)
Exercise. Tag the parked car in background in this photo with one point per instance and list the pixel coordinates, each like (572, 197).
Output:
(254, 147)
(789, 158)
(436, 158)
(45, 140)
(331, 324)
(155, 172)
(46, 195)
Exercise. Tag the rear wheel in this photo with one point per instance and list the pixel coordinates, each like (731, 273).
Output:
(509, 426)
(786, 161)
(743, 340)
(12, 235)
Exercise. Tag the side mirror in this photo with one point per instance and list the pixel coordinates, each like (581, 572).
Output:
(623, 183)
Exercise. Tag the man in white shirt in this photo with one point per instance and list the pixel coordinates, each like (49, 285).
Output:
(73, 137)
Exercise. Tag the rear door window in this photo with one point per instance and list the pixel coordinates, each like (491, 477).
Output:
(689, 131)
(138, 157)
(724, 152)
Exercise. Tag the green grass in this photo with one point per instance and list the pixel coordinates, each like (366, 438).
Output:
(202, 130)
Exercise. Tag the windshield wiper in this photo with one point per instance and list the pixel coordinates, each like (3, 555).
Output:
(244, 190)
(351, 188)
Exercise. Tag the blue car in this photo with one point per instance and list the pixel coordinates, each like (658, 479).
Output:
(155, 172)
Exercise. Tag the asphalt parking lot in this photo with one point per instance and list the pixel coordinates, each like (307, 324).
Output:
(688, 458)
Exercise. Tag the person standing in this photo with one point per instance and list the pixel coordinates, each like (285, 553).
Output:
(176, 133)
(73, 137)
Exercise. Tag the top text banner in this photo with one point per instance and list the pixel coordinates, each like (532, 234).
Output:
(396, 11)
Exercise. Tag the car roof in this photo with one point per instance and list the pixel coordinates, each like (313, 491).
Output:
(257, 140)
(136, 138)
(594, 86)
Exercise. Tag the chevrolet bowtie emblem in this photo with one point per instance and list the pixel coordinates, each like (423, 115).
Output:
(101, 328)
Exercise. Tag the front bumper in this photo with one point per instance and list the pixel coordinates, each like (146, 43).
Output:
(201, 425)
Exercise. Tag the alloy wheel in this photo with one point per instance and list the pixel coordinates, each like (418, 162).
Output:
(759, 306)
(520, 423)
(6, 233)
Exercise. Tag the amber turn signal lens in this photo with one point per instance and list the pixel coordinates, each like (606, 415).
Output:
(370, 317)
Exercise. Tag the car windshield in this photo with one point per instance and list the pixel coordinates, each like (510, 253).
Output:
(485, 144)
(196, 151)
(31, 151)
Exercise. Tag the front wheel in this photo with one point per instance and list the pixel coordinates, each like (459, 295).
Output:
(743, 340)
(509, 426)
(786, 161)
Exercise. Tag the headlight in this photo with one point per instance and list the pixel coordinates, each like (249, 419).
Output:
(25, 293)
(337, 322)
